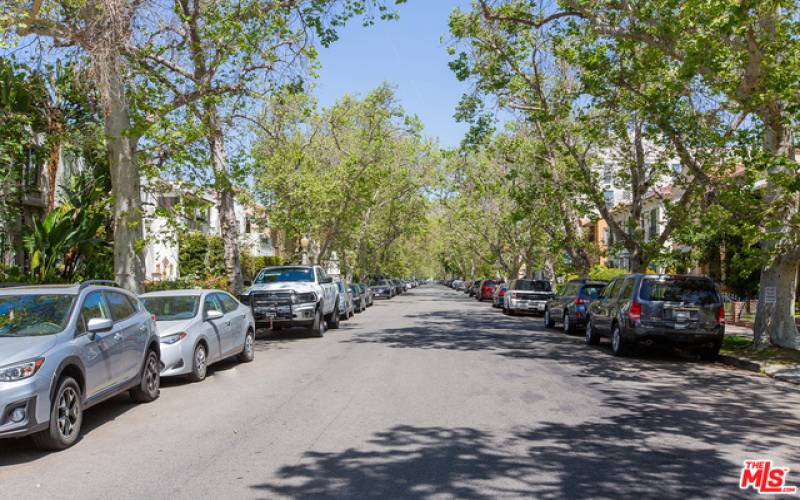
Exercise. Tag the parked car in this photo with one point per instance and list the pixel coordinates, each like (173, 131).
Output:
(527, 296)
(286, 296)
(485, 290)
(473, 289)
(64, 349)
(499, 295)
(346, 305)
(644, 309)
(569, 306)
(382, 289)
(369, 297)
(399, 289)
(199, 328)
(359, 301)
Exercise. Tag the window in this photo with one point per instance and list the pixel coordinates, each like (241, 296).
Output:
(686, 290)
(247, 226)
(677, 168)
(172, 308)
(653, 223)
(228, 303)
(592, 291)
(608, 173)
(31, 315)
(119, 306)
(212, 303)
(613, 289)
(533, 285)
(320, 277)
(627, 288)
(285, 274)
(94, 307)
(608, 195)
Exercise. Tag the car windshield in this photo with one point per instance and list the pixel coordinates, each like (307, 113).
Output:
(489, 283)
(172, 308)
(533, 286)
(32, 315)
(689, 291)
(285, 274)
(592, 291)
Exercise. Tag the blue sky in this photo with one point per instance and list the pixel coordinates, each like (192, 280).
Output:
(410, 55)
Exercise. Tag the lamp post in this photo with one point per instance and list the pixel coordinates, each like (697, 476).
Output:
(304, 245)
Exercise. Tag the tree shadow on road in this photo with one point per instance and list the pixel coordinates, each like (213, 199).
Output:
(554, 460)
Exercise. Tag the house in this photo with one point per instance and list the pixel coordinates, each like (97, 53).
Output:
(169, 209)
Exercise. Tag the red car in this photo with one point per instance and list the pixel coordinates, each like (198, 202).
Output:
(485, 290)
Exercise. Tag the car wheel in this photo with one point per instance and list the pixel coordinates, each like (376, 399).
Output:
(199, 364)
(248, 351)
(591, 337)
(710, 353)
(568, 328)
(548, 321)
(619, 346)
(318, 326)
(66, 418)
(333, 321)
(150, 386)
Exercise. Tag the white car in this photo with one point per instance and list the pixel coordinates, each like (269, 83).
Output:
(198, 328)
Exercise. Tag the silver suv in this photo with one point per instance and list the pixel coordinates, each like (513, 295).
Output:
(65, 348)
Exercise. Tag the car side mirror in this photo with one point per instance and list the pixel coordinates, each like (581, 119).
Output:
(327, 280)
(96, 325)
(213, 314)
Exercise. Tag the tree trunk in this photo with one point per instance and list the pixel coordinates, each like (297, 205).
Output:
(775, 323)
(128, 234)
(229, 228)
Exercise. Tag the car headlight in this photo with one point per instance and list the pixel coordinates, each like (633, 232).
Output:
(174, 339)
(304, 298)
(245, 299)
(20, 371)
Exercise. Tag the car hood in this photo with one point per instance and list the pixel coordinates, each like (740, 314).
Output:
(297, 286)
(16, 349)
(167, 328)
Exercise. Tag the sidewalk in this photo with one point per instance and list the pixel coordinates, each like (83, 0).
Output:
(780, 364)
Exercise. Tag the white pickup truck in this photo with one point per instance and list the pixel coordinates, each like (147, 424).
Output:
(286, 296)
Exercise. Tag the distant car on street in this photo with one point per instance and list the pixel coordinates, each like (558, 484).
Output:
(382, 289)
(499, 294)
(64, 349)
(199, 328)
(485, 290)
(527, 296)
(369, 297)
(569, 306)
(346, 305)
(359, 300)
(645, 309)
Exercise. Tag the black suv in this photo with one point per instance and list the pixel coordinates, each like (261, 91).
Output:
(570, 304)
(647, 309)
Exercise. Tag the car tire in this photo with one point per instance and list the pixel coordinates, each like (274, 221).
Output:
(149, 387)
(569, 328)
(333, 321)
(710, 353)
(592, 338)
(199, 363)
(248, 353)
(619, 345)
(318, 325)
(548, 321)
(66, 418)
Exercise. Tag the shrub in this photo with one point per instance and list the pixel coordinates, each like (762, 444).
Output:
(252, 264)
(200, 255)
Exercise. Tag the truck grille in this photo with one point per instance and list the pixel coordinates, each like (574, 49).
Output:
(271, 299)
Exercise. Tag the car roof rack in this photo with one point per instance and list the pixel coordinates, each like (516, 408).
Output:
(84, 284)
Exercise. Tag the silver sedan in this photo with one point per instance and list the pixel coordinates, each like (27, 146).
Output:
(198, 328)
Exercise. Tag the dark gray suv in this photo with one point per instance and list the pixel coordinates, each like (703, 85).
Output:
(66, 348)
(645, 309)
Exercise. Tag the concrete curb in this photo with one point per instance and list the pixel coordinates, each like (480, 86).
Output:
(785, 373)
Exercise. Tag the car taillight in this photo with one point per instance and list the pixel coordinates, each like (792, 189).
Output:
(635, 312)
(502, 293)
(581, 300)
(721, 315)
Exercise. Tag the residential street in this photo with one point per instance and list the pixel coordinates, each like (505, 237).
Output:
(430, 394)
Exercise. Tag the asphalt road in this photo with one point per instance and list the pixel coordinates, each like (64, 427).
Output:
(428, 395)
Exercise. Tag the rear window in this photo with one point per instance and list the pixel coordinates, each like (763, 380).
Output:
(689, 291)
(489, 283)
(592, 291)
(533, 286)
